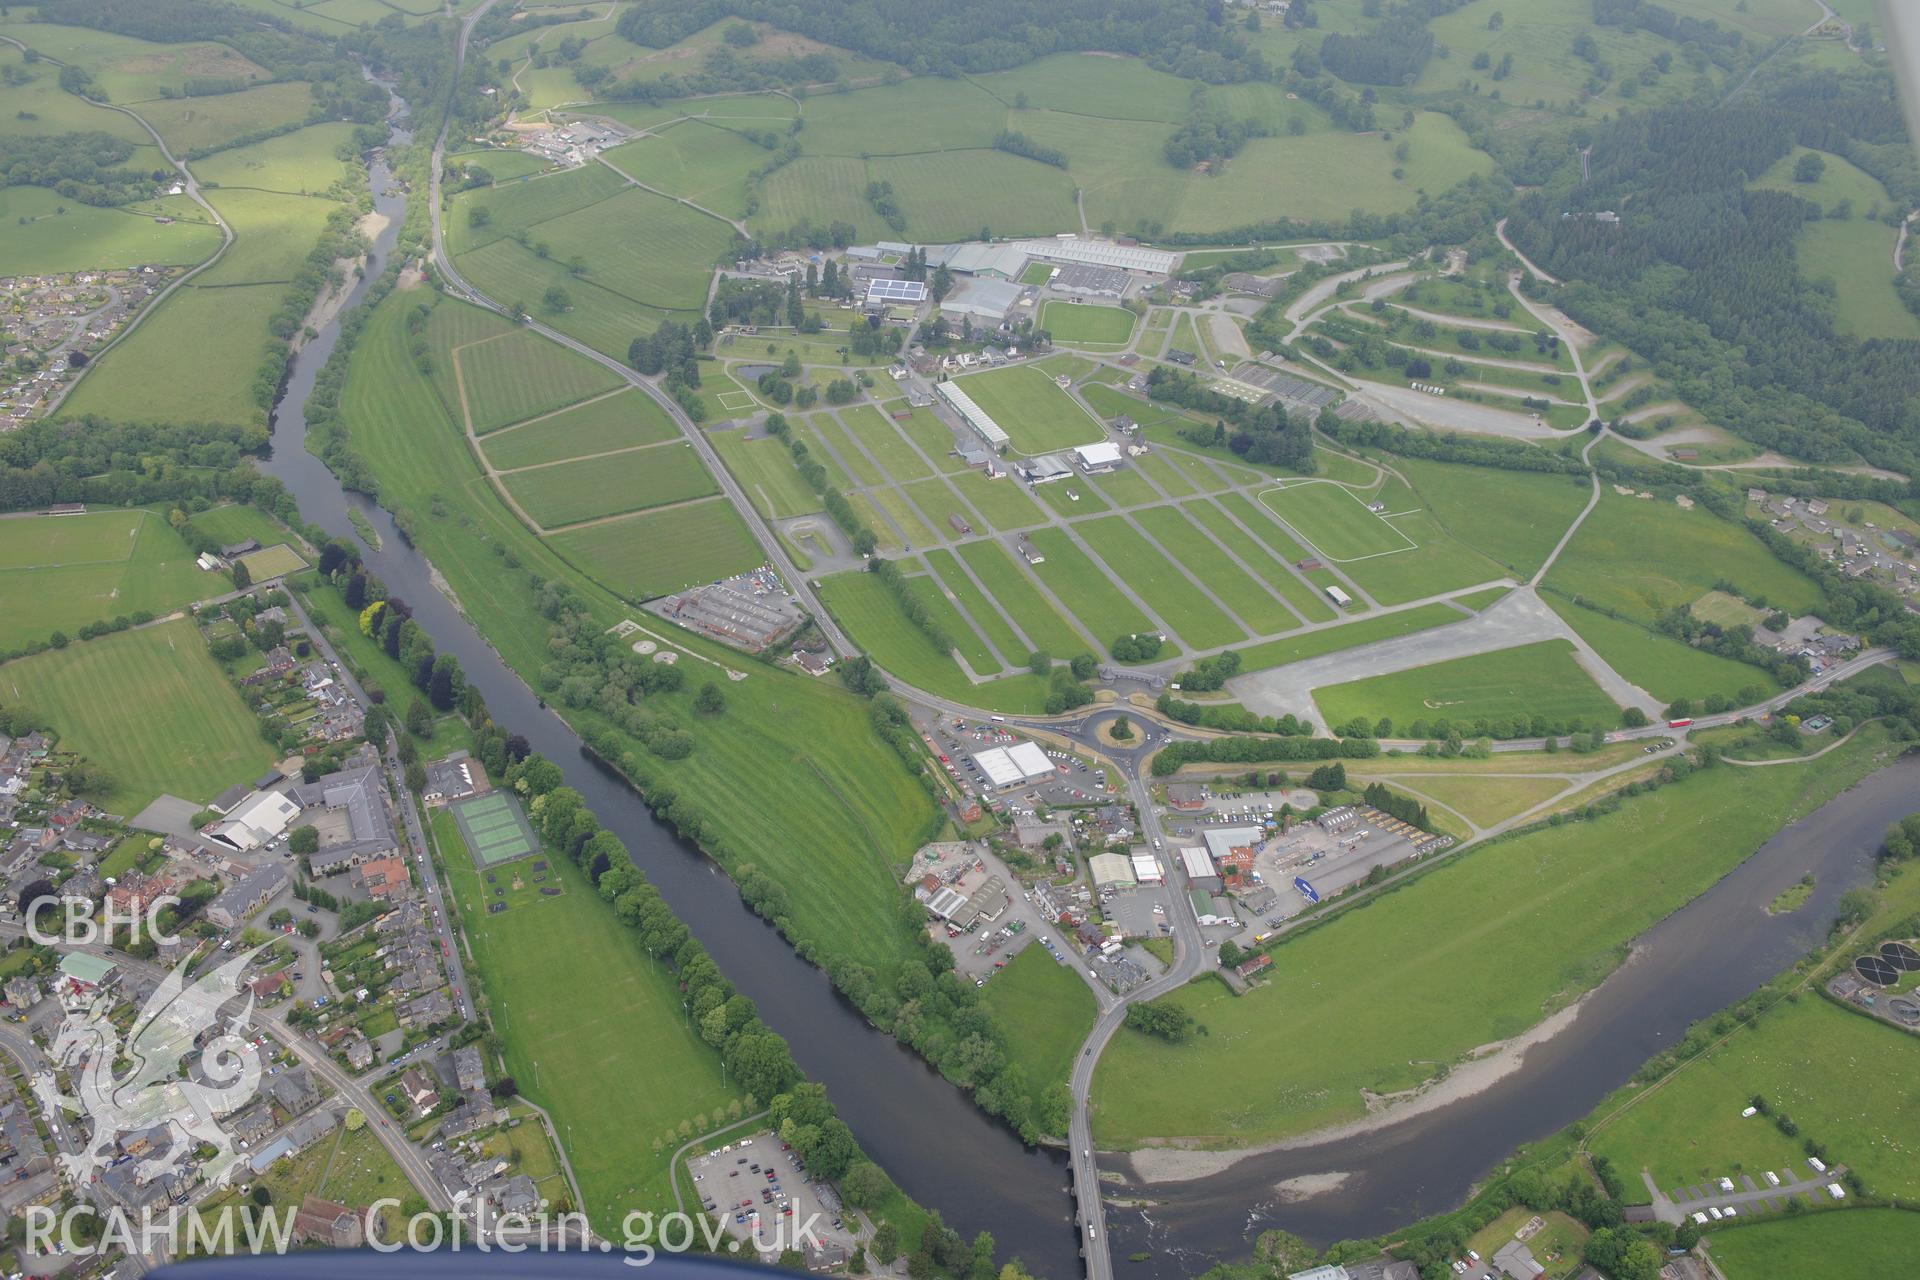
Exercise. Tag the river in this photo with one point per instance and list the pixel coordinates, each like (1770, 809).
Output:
(941, 1149)
(1704, 957)
(948, 1155)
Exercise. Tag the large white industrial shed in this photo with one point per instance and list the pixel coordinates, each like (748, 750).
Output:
(1198, 864)
(1010, 766)
(1030, 760)
(976, 417)
(1101, 253)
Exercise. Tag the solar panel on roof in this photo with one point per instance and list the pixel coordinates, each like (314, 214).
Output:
(896, 290)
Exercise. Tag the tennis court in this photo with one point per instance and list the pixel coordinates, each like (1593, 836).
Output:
(495, 829)
(272, 562)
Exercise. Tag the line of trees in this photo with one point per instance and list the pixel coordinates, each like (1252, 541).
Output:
(815, 475)
(1245, 750)
(910, 604)
(1229, 716)
(1019, 144)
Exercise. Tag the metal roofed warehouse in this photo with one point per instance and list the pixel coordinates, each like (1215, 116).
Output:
(1030, 760)
(1100, 253)
(999, 767)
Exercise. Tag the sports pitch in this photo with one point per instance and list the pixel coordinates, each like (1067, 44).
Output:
(1335, 520)
(276, 561)
(494, 828)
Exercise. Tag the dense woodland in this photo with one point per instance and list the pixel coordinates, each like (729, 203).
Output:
(1698, 272)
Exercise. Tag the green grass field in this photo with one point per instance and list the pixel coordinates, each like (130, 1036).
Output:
(552, 1006)
(1856, 257)
(1485, 800)
(223, 314)
(1511, 931)
(950, 195)
(1079, 584)
(73, 570)
(1036, 414)
(1078, 323)
(1005, 504)
(863, 605)
(764, 468)
(1305, 601)
(1165, 587)
(1046, 1010)
(696, 160)
(130, 69)
(1663, 666)
(1436, 563)
(44, 240)
(1532, 680)
(1196, 553)
(518, 374)
(149, 706)
(216, 120)
(619, 421)
(988, 621)
(1512, 517)
(1017, 594)
(875, 431)
(1335, 521)
(564, 493)
(1859, 1244)
(1692, 1124)
(1640, 558)
(1839, 180)
(656, 552)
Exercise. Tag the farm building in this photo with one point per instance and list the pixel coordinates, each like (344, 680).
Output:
(1100, 253)
(983, 301)
(1096, 459)
(985, 261)
(1111, 870)
(1084, 280)
(1044, 469)
(974, 416)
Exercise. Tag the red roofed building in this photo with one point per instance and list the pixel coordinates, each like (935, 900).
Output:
(1236, 864)
(383, 878)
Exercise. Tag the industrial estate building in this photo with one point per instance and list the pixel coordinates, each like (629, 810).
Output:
(1013, 766)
